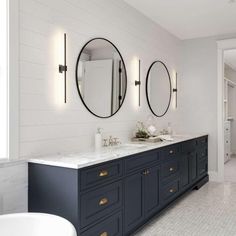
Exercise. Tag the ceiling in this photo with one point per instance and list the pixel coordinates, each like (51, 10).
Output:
(230, 58)
(188, 19)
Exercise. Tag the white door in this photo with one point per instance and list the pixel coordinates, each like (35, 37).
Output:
(98, 86)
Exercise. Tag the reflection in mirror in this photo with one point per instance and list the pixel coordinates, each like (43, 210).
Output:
(101, 77)
(158, 88)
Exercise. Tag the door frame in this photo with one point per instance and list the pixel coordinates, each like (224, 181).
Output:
(222, 45)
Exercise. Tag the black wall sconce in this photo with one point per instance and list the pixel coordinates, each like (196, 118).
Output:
(63, 69)
(175, 90)
(138, 83)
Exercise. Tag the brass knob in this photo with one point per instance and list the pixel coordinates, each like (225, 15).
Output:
(104, 234)
(171, 169)
(172, 190)
(103, 201)
(103, 173)
(171, 152)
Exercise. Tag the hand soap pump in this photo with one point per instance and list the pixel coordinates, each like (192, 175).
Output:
(98, 139)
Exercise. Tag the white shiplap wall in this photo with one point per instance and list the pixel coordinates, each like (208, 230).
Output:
(13, 188)
(49, 126)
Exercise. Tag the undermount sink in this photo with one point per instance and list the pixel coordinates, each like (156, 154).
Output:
(130, 146)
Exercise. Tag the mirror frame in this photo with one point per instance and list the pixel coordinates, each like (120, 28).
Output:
(147, 78)
(76, 77)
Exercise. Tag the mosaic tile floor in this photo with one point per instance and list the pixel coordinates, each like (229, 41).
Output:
(210, 211)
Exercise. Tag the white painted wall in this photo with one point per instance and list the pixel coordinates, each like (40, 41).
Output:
(198, 91)
(3, 81)
(198, 86)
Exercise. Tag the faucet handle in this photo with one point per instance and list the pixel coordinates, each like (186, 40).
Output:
(111, 141)
(105, 142)
(116, 141)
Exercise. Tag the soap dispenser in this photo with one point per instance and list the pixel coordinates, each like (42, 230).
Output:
(98, 139)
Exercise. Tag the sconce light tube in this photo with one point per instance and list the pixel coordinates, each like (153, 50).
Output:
(63, 68)
(175, 90)
(138, 82)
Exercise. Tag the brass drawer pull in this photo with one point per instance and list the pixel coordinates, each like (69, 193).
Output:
(171, 151)
(104, 234)
(172, 190)
(172, 169)
(103, 173)
(146, 172)
(103, 201)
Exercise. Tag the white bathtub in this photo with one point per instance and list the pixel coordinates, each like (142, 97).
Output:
(35, 224)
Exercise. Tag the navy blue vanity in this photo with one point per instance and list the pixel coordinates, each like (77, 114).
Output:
(117, 197)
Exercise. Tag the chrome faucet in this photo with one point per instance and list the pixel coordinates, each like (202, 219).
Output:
(111, 142)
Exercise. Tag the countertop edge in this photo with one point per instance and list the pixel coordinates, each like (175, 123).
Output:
(48, 162)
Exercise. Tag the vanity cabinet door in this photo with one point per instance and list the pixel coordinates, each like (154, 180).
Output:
(184, 175)
(151, 182)
(193, 166)
(134, 210)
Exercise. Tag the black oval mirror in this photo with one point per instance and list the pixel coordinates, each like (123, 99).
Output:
(101, 77)
(158, 88)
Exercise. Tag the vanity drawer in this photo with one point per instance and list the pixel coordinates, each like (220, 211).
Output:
(141, 160)
(109, 227)
(94, 176)
(170, 190)
(170, 152)
(170, 168)
(202, 153)
(202, 167)
(99, 203)
(202, 141)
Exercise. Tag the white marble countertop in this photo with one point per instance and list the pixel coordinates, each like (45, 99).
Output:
(84, 159)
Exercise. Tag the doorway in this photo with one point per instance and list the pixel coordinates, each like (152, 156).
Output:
(229, 115)
(226, 111)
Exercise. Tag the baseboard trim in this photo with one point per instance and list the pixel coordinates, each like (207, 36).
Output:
(214, 176)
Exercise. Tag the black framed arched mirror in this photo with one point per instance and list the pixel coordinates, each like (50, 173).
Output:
(101, 77)
(158, 88)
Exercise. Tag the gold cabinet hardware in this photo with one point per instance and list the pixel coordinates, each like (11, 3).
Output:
(171, 152)
(104, 234)
(146, 172)
(103, 201)
(171, 169)
(103, 173)
(172, 190)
